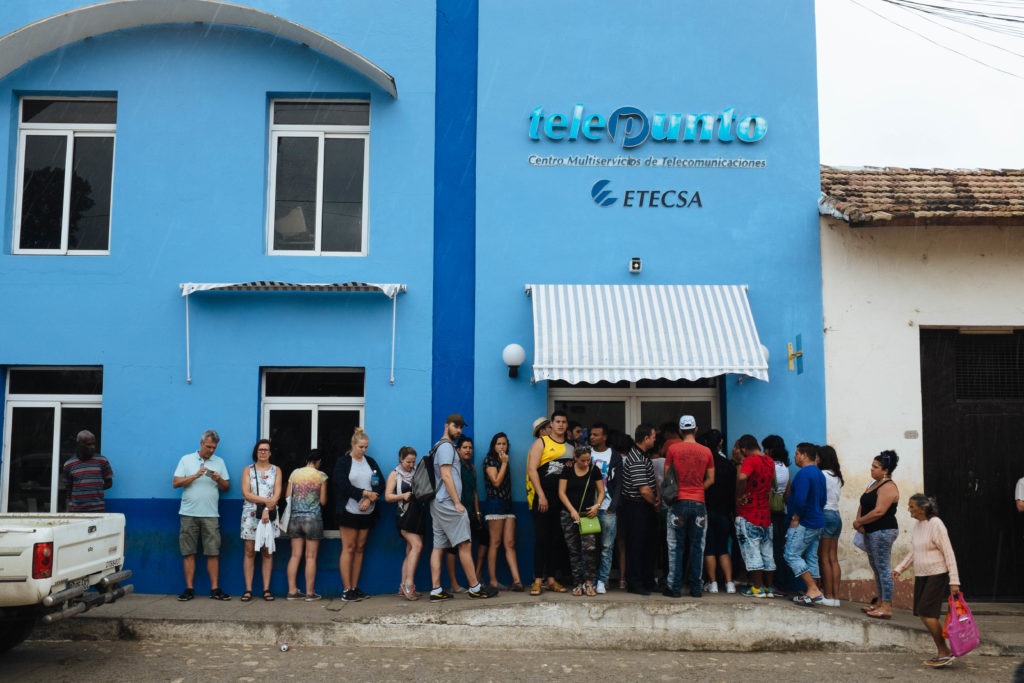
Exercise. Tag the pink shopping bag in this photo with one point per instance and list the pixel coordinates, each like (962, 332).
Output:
(961, 629)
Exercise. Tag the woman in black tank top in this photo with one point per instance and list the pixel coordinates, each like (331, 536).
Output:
(876, 519)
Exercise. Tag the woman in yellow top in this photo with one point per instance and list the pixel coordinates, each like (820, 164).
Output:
(548, 456)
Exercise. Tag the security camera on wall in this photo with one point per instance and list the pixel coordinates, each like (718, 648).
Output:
(635, 265)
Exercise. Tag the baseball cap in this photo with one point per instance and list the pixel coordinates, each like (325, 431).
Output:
(455, 418)
(687, 422)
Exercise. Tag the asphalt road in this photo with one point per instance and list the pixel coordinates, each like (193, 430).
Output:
(83, 661)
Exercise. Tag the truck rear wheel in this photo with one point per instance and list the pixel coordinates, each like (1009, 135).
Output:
(14, 631)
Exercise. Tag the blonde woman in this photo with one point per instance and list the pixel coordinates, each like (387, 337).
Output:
(358, 483)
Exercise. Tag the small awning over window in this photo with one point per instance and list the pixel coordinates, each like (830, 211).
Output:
(592, 333)
(388, 290)
(188, 288)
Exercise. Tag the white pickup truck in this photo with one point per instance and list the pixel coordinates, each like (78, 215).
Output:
(53, 566)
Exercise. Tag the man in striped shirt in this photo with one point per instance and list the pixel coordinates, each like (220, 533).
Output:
(640, 501)
(86, 475)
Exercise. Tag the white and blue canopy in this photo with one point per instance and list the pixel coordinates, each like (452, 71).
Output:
(593, 333)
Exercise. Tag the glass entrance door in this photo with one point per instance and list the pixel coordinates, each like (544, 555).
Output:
(39, 438)
(625, 408)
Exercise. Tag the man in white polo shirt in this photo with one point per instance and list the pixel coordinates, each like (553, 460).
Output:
(203, 476)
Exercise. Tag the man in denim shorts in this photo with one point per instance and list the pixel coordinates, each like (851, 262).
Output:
(203, 476)
(753, 516)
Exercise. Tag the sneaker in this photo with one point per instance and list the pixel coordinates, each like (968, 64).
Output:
(730, 587)
(601, 590)
(408, 592)
(461, 589)
(313, 597)
(438, 597)
(360, 594)
(670, 593)
(711, 587)
(186, 595)
(349, 596)
(479, 593)
(753, 592)
(295, 596)
(218, 594)
(769, 592)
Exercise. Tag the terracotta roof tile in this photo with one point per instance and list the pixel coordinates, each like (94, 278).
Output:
(914, 196)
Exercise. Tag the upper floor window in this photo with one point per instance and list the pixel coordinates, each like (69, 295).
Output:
(319, 171)
(64, 177)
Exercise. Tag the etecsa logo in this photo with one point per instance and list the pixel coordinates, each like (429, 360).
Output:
(602, 197)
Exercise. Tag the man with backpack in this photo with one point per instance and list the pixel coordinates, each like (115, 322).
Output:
(451, 522)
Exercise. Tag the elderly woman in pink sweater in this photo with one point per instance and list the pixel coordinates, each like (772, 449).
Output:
(935, 574)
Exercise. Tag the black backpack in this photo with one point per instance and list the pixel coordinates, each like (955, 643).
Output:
(424, 481)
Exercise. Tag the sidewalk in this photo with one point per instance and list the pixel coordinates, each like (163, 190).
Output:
(518, 621)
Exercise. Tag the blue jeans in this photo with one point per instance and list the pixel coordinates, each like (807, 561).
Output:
(672, 573)
(609, 525)
(802, 550)
(690, 525)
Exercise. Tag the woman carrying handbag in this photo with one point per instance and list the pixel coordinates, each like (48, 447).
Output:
(581, 490)
(935, 573)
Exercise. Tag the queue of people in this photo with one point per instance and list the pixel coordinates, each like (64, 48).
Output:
(586, 497)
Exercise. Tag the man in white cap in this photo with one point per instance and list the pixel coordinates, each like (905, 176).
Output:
(695, 471)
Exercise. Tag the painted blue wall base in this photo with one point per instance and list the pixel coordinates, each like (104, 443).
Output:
(153, 555)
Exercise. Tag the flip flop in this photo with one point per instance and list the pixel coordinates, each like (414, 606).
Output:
(869, 607)
(875, 614)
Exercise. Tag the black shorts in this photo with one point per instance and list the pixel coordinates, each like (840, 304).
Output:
(352, 521)
(716, 543)
(929, 594)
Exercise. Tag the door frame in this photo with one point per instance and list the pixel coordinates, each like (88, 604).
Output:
(633, 397)
(57, 402)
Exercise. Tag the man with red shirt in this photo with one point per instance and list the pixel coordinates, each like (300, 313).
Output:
(753, 516)
(695, 471)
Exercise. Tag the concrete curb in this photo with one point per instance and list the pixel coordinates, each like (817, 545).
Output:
(669, 626)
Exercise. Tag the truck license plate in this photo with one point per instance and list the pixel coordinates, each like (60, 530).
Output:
(79, 583)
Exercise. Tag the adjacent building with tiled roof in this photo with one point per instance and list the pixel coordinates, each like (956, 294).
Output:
(910, 196)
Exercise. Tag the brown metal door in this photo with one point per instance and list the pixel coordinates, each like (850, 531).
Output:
(972, 390)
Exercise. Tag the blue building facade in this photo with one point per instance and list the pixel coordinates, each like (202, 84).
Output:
(174, 147)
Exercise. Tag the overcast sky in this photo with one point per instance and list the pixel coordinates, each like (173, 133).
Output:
(888, 97)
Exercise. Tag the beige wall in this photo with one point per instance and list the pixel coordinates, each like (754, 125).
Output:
(879, 286)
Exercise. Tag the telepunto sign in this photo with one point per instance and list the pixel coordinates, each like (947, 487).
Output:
(631, 127)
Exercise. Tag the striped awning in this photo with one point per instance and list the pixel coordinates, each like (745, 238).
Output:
(388, 290)
(593, 333)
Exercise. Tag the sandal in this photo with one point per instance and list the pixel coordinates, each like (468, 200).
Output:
(246, 596)
(577, 590)
(268, 596)
(536, 587)
(557, 587)
(589, 589)
(870, 606)
(516, 587)
(875, 614)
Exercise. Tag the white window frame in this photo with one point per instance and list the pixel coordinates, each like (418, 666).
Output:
(321, 133)
(56, 401)
(634, 397)
(71, 132)
(312, 403)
